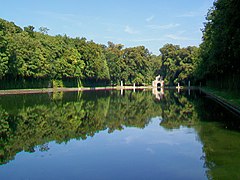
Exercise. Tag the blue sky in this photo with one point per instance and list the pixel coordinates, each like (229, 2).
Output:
(151, 23)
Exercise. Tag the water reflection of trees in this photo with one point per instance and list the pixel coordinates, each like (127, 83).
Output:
(219, 134)
(38, 119)
(178, 111)
(222, 152)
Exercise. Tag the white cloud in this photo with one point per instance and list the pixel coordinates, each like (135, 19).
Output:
(150, 150)
(190, 14)
(130, 139)
(130, 30)
(177, 37)
(166, 26)
(150, 18)
(146, 40)
(163, 141)
(181, 32)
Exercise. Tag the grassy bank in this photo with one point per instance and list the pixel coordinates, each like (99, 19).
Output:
(229, 96)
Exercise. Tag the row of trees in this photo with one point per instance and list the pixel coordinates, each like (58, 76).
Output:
(28, 55)
(219, 55)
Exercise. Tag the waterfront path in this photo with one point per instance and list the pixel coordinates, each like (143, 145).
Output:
(49, 90)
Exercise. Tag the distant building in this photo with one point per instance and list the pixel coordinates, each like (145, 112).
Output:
(158, 82)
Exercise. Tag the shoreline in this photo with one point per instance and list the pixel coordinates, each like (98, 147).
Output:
(50, 90)
(224, 102)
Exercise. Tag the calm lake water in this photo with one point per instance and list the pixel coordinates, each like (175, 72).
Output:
(117, 135)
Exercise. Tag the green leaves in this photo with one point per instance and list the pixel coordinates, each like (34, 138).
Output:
(178, 64)
(27, 54)
(94, 59)
(132, 65)
(4, 56)
(219, 52)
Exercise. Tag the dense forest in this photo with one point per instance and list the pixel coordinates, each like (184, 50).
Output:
(34, 59)
(219, 58)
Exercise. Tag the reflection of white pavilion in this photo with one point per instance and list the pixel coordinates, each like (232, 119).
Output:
(158, 94)
(157, 84)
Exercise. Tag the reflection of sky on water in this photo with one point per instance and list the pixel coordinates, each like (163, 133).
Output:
(132, 153)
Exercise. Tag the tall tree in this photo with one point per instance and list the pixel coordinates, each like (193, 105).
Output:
(178, 64)
(94, 58)
(219, 53)
(114, 56)
(136, 67)
(4, 56)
